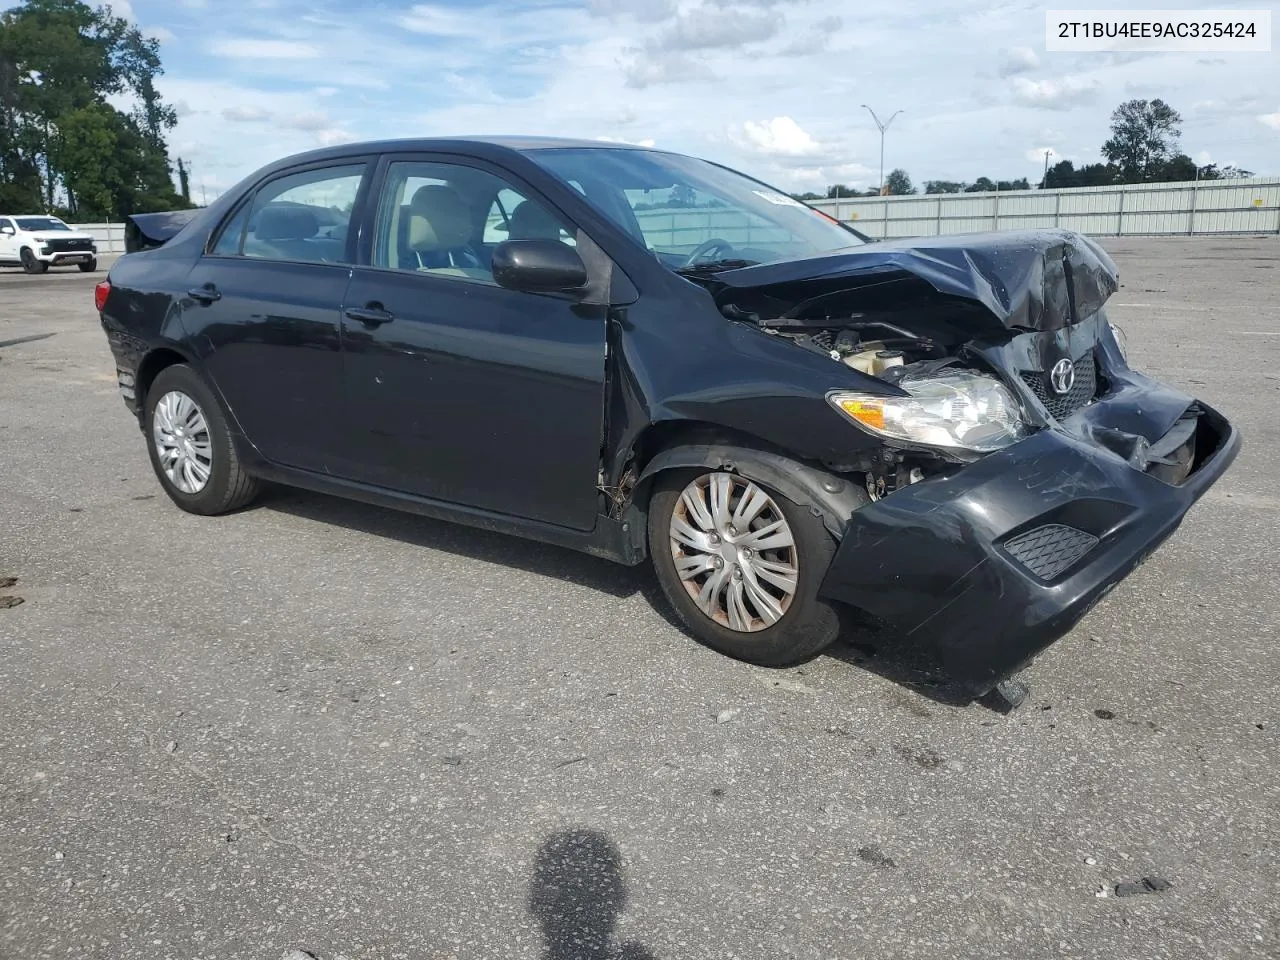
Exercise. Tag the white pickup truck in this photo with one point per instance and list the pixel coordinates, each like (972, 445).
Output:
(37, 243)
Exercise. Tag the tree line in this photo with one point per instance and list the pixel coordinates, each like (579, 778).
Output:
(1143, 148)
(65, 148)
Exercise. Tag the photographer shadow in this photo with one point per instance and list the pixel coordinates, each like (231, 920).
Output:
(577, 895)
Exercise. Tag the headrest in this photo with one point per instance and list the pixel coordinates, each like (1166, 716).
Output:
(286, 223)
(530, 221)
(438, 219)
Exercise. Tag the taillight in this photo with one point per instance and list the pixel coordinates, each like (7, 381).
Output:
(100, 293)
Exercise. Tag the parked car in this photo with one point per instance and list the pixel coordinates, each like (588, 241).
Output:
(647, 356)
(37, 243)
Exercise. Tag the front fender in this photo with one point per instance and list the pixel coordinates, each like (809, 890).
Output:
(827, 495)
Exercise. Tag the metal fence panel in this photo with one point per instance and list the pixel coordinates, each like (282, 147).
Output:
(1148, 209)
(108, 236)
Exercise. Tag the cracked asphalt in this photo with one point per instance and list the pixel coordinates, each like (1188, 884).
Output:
(322, 726)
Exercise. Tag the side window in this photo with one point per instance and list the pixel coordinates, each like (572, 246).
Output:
(446, 219)
(509, 206)
(228, 244)
(6, 225)
(304, 216)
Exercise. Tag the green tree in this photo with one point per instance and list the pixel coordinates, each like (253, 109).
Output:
(943, 186)
(897, 183)
(66, 70)
(840, 190)
(1144, 138)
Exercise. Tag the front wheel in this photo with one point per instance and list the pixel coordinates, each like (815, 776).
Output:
(741, 565)
(191, 447)
(88, 266)
(31, 264)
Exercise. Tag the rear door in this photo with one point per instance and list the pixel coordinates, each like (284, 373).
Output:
(456, 388)
(8, 245)
(263, 308)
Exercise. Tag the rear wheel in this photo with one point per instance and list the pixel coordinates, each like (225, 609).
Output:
(741, 565)
(88, 266)
(190, 445)
(31, 264)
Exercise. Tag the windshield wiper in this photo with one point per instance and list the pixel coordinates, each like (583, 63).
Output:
(715, 266)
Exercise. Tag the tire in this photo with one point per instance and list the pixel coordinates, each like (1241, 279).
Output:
(31, 264)
(89, 267)
(806, 626)
(226, 485)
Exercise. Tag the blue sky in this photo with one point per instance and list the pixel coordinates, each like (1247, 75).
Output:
(773, 87)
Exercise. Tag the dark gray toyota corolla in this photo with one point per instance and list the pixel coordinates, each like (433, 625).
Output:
(643, 355)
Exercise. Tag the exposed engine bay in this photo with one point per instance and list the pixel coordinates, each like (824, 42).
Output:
(969, 330)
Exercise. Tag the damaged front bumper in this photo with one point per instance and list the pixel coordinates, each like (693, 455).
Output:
(984, 569)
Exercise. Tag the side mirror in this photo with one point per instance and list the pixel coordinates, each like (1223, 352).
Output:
(7, 231)
(538, 266)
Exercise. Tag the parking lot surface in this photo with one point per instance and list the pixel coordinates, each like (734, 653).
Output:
(322, 726)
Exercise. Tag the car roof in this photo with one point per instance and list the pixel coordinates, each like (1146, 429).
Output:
(476, 145)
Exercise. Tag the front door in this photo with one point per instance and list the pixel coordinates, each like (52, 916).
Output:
(263, 310)
(8, 245)
(458, 389)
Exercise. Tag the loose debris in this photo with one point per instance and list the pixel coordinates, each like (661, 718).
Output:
(8, 602)
(1104, 714)
(926, 757)
(724, 716)
(297, 955)
(7, 582)
(873, 855)
(1143, 886)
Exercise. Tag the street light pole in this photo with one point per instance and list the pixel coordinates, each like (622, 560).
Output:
(883, 127)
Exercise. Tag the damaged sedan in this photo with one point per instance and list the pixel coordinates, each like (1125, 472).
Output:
(650, 357)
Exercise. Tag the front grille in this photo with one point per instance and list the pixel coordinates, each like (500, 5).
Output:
(59, 245)
(1084, 390)
(1051, 550)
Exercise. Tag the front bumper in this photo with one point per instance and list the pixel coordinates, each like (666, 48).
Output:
(937, 561)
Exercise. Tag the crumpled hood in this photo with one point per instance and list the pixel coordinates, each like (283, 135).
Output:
(1028, 280)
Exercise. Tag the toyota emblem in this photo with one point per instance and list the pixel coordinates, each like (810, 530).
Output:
(1062, 377)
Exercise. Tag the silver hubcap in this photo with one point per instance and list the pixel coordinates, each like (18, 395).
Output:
(734, 551)
(182, 442)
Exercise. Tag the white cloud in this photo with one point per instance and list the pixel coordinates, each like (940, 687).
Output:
(704, 27)
(325, 91)
(311, 122)
(1061, 94)
(1036, 155)
(680, 67)
(1018, 60)
(646, 11)
(245, 114)
(438, 21)
(260, 49)
(330, 136)
(162, 34)
(648, 142)
(779, 137)
(1271, 120)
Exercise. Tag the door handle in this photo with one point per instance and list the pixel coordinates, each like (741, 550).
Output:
(206, 294)
(370, 316)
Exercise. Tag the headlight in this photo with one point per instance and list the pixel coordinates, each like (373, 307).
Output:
(964, 411)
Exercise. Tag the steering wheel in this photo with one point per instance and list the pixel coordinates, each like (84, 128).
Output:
(714, 245)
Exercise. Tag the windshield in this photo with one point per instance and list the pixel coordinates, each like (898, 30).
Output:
(40, 223)
(689, 212)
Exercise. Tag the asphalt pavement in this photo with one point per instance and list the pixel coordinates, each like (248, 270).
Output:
(320, 726)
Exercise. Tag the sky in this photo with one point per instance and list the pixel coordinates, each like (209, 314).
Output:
(772, 87)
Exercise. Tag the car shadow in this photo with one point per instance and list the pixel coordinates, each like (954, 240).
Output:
(577, 895)
(864, 643)
(459, 540)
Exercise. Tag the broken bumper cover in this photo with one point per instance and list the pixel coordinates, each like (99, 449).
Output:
(986, 568)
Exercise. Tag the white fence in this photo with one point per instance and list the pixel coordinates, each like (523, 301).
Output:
(109, 236)
(1150, 209)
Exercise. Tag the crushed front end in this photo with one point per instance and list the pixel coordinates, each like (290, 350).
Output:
(1023, 469)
